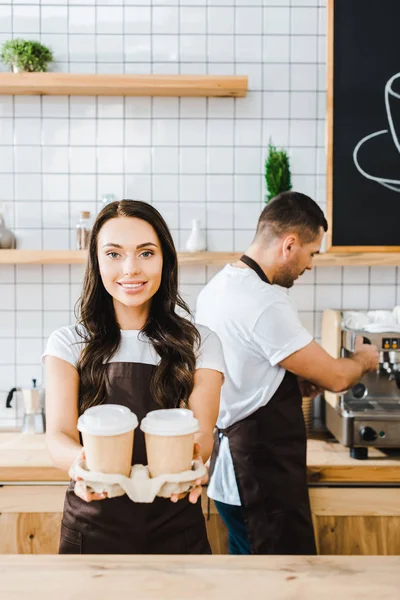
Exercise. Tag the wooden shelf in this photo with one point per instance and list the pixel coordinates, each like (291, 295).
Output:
(357, 259)
(42, 257)
(71, 84)
(327, 259)
(73, 257)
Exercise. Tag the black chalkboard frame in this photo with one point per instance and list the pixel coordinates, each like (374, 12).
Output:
(330, 116)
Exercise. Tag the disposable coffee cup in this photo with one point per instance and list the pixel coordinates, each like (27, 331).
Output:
(108, 435)
(169, 438)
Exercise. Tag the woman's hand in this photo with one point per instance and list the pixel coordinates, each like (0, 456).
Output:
(195, 493)
(80, 488)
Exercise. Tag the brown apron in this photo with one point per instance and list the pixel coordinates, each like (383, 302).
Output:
(118, 525)
(268, 451)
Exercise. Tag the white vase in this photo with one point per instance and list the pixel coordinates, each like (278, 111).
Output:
(196, 241)
(7, 238)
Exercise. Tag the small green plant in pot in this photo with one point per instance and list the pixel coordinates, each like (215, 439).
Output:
(277, 172)
(26, 55)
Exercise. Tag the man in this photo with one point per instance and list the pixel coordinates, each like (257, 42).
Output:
(258, 466)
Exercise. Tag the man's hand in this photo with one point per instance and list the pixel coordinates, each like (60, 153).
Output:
(308, 389)
(366, 354)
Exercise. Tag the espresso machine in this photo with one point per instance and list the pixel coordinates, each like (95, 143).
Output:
(368, 414)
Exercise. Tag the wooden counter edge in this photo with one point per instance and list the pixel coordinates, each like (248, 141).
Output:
(34, 474)
(364, 473)
(344, 474)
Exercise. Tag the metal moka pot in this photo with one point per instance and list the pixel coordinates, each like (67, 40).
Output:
(34, 418)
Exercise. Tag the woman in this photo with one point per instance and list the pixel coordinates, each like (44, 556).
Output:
(130, 347)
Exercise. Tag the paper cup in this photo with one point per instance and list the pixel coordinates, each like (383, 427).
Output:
(169, 438)
(108, 436)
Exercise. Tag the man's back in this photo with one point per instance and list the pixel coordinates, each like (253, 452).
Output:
(258, 327)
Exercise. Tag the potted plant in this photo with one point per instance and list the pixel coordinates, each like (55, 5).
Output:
(277, 172)
(26, 55)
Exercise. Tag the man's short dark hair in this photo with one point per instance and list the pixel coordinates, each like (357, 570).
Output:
(292, 212)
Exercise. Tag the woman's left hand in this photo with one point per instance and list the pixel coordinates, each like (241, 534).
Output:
(195, 493)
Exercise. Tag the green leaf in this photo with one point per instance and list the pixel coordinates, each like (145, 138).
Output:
(277, 172)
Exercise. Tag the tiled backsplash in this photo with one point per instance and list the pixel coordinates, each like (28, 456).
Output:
(191, 157)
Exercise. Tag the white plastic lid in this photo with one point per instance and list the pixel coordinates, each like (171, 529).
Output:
(107, 419)
(170, 421)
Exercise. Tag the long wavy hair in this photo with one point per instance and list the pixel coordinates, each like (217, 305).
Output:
(174, 337)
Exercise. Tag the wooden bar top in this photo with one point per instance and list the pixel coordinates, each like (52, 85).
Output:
(330, 462)
(24, 457)
(47, 577)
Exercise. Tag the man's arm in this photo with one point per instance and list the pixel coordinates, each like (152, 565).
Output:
(335, 375)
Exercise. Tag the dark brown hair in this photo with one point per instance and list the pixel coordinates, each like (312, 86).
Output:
(174, 337)
(292, 211)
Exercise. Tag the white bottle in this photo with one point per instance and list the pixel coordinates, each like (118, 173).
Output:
(196, 241)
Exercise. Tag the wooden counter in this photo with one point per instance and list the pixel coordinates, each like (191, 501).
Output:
(24, 457)
(199, 577)
(355, 504)
(330, 462)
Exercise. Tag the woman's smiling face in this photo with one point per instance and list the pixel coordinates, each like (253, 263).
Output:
(130, 261)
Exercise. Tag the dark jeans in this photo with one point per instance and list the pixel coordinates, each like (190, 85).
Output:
(233, 519)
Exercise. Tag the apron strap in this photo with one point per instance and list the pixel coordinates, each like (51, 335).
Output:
(255, 266)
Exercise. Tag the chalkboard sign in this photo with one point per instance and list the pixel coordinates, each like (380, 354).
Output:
(364, 125)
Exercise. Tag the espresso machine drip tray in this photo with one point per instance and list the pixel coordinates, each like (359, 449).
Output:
(373, 406)
(360, 424)
(388, 406)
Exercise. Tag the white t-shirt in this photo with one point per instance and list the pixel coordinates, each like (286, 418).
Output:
(66, 343)
(259, 327)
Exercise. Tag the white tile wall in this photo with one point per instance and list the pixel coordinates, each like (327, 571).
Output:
(191, 157)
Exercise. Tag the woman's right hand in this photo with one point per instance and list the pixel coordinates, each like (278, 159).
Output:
(80, 488)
